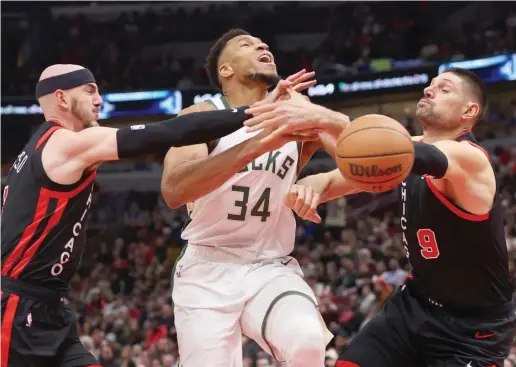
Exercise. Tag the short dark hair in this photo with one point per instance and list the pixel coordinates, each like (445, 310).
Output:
(477, 87)
(212, 60)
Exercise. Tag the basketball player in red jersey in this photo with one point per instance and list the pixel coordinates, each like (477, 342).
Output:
(456, 308)
(47, 197)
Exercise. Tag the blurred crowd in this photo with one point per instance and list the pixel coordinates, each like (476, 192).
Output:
(353, 261)
(354, 34)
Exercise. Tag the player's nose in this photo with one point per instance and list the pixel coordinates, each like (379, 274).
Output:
(98, 101)
(262, 46)
(429, 92)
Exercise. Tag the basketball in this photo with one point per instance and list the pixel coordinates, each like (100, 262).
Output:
(375, 152)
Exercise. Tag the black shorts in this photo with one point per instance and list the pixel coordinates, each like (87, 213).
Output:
(38, 329)
(410, 332)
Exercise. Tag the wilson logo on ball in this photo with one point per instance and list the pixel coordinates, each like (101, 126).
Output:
(373, 171)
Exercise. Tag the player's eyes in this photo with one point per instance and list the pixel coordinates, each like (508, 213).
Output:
(244, 45)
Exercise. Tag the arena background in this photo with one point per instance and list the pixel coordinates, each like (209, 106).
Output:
(148, 60)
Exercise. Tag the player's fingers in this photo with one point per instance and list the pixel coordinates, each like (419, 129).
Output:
(293, 93)
(260, 106)
(300, 200)
(290, 199)
(313, 217)
(267, 124)
(304, 77)
(281, 89)
(312, 211)
(296, 75)
(316, 199)
(258, 110)
(285, 84)
(261, 103)
(303, 86)
(304, 137)
(262, 117)
(278, 137)
(306, 203)
(299, 137)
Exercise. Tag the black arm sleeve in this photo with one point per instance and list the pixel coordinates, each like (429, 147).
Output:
(194, 128)
(429, 160)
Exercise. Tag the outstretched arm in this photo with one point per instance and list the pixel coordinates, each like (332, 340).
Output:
(305, 196)
(461, 171)
(67, 154)
(329, 185)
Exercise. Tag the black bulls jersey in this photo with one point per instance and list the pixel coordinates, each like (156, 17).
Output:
(43, 234)
(458, 257)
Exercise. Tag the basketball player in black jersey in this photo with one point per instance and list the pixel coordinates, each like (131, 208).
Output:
(456, 308)
(47, 197)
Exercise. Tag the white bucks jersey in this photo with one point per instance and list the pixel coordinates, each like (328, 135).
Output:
(247, 216)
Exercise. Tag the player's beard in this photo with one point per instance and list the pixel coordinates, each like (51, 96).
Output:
(427, 117)
(431, 120)
(86, 121)
(268, 79)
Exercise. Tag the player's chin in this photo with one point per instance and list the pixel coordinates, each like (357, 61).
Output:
(270, 77)
(422, 114)
(266, 67)
(91, 123)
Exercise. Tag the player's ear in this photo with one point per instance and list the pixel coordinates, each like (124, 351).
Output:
(226, 70)
(62, 99)
(472, 110)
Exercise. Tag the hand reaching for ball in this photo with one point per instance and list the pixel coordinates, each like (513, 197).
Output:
(297, 82)
(296, 114)
(303, 200)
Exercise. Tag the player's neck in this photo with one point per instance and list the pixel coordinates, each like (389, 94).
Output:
(433, 135)
(74, 126)
(244, 94)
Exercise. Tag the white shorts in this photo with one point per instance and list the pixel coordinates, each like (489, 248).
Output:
(217, 299)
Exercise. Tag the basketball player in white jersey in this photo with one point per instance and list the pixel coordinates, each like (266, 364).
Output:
(235, 276)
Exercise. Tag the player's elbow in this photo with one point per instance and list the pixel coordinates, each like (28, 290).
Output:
(172, 201)
(172, 194)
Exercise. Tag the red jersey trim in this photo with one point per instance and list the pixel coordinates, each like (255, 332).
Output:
(56, 121)
(482, 149)
(54, 220)
(70, 194)
(28, 233)
(46, 135)
(346, 364)
(7, 326)
(463, 132)
(452, 207)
